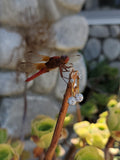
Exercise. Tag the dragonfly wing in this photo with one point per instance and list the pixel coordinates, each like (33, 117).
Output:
(43, 70)
(44, 58)
(39, 66)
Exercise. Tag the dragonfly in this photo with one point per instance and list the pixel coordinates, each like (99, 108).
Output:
(49, 64)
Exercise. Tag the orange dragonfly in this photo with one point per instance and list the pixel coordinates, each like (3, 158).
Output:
(50, 64)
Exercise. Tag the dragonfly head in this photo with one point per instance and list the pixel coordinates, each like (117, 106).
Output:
(64, 59)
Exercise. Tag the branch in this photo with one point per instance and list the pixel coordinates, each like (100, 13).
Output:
(61, 117)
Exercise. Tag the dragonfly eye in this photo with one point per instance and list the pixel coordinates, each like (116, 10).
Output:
(65, 58)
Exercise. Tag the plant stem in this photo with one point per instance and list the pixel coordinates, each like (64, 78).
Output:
(109, 144)
(70, 153)
(79, 118)
(60, 121)
(24, 112)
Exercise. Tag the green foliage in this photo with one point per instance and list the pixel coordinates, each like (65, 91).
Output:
(103, 69)
(88, 109)
(103, 78)
(3, 135)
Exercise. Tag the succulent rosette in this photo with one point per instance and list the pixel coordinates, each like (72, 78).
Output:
(113, 121)
(81, 129)
(89, 153)
(7, 152)
(98, 136)
(95, 134)
(42, 130)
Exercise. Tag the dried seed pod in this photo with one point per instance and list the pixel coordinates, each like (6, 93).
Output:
(79, 97)
(72, 101)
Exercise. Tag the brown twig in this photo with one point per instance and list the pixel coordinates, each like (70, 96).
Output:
(24, 111)
(61, 117)
(70, 154)
(79, 118)
(109, 144)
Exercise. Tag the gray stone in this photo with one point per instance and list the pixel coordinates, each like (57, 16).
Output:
(27, 12)
(91, 4)
(46, 82)
(115, 31)
(9, 85)
(99, 31)
(70, 33)
(78, 64)
(111, 48)
(92, 49)
(11, 112)
(11, 48)
(72, 5)
(101, 58)
(22, 13)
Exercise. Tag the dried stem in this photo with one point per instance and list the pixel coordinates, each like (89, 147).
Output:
(25, 112)
(79, 118)
(61, 117)
(109, 144)
(71, 153)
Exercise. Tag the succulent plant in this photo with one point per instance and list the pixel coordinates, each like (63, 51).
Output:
(42, 130)
(89, 153)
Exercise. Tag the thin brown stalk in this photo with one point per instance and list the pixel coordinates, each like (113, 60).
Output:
(109, 144)
(79, 118)
(70, 154)
(60, 121)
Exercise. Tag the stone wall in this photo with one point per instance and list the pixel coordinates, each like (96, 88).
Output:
(44, 94)
(103, 43)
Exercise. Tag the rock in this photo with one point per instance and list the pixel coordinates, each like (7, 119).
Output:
(101, 58)
(11, 48)
(78, 64)
(115, 31)
(20, 13)
(11, 112)
(11, 86)
(111, 48)
(91, 4)
(99, 31)
(30, 11)
(72, 5)
(70, 33)
(57, 9)
(92, 49)
(46, 82)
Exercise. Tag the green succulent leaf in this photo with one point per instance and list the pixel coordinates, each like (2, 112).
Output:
(81, 128)
(7, 152)
(18, 147)
(89, 153)
(113, 122)
(68, 119)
